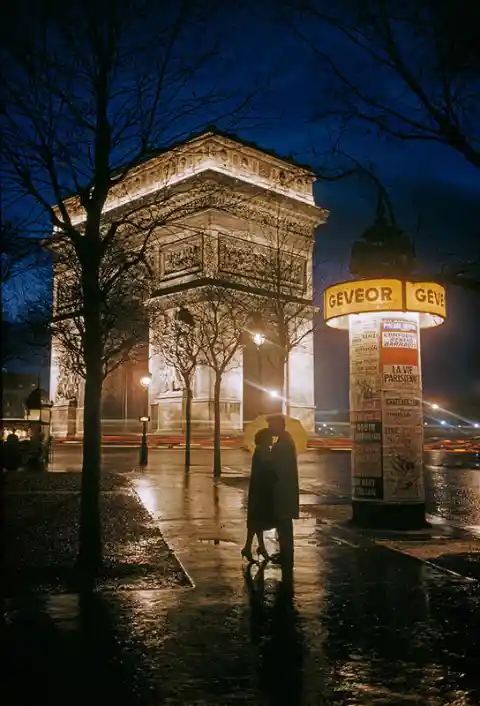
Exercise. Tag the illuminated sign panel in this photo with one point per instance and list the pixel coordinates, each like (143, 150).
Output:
(363, 296)
(426, 297)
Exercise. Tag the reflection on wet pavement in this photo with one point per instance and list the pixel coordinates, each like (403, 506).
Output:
(452, 491)
(362, 626)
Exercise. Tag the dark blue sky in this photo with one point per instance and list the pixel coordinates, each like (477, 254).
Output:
(436, 197)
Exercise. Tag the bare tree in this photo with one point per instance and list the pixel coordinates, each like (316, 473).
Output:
(277, 272)
(284, 270)
(25, 267)
(122, 322)
(406, 69)
(20, 255)
(221, 315)
(175, 334)
(89, 90)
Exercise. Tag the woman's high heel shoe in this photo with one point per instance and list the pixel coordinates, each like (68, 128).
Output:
(247, 554)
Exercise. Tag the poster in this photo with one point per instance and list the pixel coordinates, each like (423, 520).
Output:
(403, 463)
(365, 393)
(367, 457)
(399, 342)
(401, 377)
(401, 410)
(365, 380)
(367, 476)
(365, 408)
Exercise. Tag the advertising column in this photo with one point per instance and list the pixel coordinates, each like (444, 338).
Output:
(384, 317)
(386, 416)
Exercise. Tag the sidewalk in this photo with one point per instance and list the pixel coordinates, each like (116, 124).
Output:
(367, 625)
(41, 513)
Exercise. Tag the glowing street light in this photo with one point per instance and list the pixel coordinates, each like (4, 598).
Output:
(434, 405)
(146, 381)
(443, 422)
(274, 393)
(258, 339)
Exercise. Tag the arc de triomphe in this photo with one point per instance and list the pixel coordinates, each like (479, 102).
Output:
(249, 206)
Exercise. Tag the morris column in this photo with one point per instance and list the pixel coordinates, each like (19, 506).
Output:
(384, 318)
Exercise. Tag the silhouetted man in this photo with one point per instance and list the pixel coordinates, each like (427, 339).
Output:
(286, 489)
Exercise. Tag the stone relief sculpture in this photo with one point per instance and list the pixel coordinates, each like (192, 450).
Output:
(258, 262)
(170, 381)
(67, 386)
(165, 378)
(183, 259)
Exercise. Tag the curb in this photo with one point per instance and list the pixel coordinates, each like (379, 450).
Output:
(157, 523)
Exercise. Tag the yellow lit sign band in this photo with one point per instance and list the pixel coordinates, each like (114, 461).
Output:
(362, 296)
(426, 297)
(377, 295)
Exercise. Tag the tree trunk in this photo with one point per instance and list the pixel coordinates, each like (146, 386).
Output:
(90, 537)
(188, 426)
(217, 460)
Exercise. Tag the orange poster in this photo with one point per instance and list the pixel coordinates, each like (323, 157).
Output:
(398, 342)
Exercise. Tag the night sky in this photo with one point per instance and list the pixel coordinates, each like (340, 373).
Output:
(435, 192)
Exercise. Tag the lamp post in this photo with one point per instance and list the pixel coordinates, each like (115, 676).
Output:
(145, 382)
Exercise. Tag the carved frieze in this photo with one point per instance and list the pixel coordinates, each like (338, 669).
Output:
(263, 213)
(261, 264)
(67, 386)
(182, 258)
(210, 151)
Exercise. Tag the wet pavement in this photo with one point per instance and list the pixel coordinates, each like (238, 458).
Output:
(364, 624)
(453, 491)
(41, 514)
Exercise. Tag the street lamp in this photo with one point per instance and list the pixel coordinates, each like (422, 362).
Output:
(145, 382)
(258, 339)
(256, 329)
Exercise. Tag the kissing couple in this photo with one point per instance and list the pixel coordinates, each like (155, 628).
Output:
(273, 493)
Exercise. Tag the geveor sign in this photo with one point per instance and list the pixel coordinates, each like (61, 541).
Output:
(363, 296)
(384, 295)
(426, 297)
